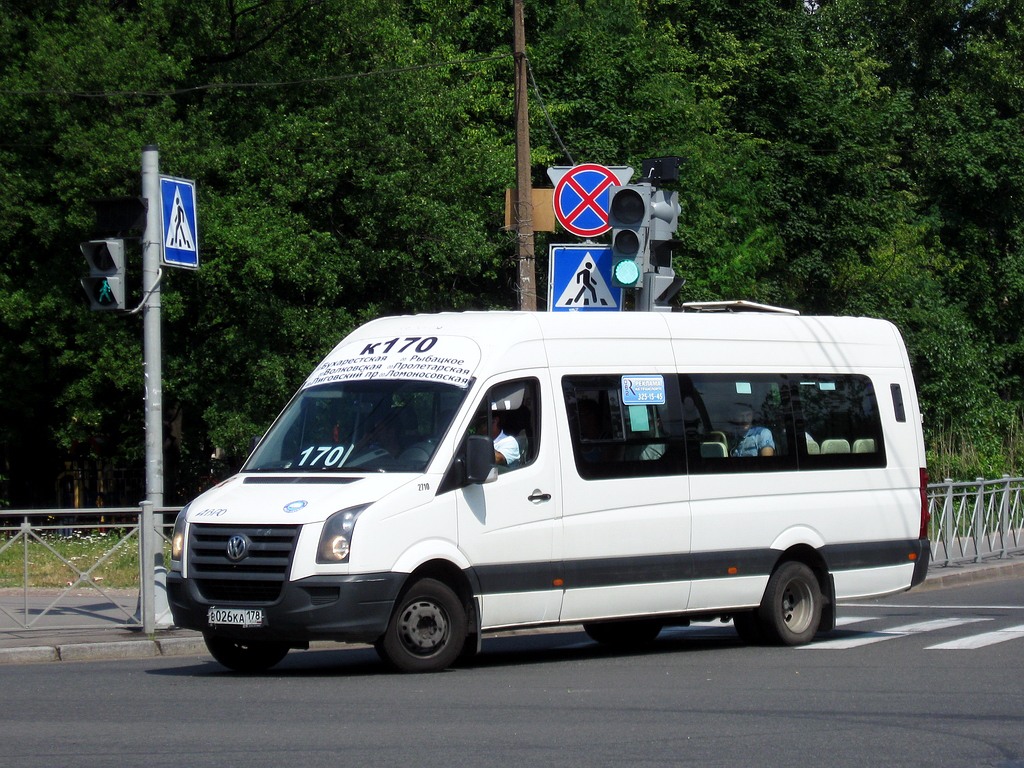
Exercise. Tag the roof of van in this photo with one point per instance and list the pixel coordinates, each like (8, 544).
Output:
(748, 326)
(704, 339)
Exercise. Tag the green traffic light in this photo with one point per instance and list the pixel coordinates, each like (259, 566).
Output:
(105, 283)
(626, 272)
(105, 295)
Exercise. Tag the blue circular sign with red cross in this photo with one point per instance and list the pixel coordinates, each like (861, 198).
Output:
(581, 199)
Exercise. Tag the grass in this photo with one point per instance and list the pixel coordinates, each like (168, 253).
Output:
(59, 558)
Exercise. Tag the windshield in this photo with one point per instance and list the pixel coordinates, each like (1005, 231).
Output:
(359, 426)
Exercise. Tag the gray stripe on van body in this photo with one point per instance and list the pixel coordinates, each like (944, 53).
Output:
(592, 573)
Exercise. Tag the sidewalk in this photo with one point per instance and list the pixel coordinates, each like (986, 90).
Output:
(83, 625)
(95, 643)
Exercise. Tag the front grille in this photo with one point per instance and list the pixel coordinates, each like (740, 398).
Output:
(255, 578)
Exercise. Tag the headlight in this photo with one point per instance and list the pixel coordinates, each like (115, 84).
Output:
(178, 536)
(336, 539)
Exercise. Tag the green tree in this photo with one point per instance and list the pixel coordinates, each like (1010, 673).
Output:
(351, 160)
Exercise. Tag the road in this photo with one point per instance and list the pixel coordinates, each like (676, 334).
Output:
(905, 681)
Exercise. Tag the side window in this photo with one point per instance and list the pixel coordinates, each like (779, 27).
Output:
(897, 403)
(841, 423)
(742, 423)
(624, 426)
(509, 414)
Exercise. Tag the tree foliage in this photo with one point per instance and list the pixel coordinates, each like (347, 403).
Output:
(351, 158)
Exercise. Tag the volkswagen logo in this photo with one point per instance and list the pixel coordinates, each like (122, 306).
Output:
(238, 547)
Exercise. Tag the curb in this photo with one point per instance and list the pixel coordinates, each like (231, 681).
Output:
(956, 575)
(113, 650)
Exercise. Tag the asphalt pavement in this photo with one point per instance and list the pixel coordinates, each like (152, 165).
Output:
(82, 636)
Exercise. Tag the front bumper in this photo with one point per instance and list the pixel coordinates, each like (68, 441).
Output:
(353, 608)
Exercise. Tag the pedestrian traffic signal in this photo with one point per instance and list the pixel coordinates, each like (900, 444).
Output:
(660, 289)
(664, 214)
(629, 209)
(104, 285)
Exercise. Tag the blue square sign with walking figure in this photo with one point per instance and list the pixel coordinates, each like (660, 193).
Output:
(580, 279)
(180, 225)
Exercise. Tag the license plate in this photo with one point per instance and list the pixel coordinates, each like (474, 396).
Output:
(239, 617)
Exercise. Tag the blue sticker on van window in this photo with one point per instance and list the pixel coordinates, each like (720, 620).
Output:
(643, 390)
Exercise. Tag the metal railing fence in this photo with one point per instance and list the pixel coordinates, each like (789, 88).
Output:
(970, 522)
(55, 567)
(974, 521)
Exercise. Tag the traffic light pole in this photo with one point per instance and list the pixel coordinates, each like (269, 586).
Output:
(152, 351)
(154, 575)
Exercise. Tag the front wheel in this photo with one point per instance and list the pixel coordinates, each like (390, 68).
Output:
(427, 630)
(790, 611)
(245, 656)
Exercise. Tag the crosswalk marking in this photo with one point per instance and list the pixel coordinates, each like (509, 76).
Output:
(857, 637)
(980, 641)
(877, 636)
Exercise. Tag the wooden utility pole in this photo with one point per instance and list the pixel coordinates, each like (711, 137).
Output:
(524, 182)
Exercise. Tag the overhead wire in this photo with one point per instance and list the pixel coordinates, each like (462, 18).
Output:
(251, 85)
(547, 115)
(293, 83)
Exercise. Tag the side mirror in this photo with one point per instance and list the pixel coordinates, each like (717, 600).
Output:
(480, 460)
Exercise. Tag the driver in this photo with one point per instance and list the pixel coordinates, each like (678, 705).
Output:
(506, 448)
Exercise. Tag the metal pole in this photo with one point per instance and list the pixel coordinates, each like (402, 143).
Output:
(524, 183)
(154, 574)
(1004, 517)
(148, 586)
(152, 351)
(947, 520)
(979, 515)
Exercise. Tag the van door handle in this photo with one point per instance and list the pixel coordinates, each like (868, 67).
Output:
(538, 496)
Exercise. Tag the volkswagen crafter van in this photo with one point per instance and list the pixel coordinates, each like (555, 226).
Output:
(439, 477)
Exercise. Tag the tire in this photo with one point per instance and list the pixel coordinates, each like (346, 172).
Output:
(624, 634)
(245, 657)
(427, 631)
(790, 611)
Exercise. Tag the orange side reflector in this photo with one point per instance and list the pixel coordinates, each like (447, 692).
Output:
(912, 556)
(559, 582)
(733, 570)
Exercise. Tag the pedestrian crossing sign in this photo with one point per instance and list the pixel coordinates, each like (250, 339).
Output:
(180, 227)
(580, 279)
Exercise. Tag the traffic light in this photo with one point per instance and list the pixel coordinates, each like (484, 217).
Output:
(664, 214)
(660, 289)
(644, 221)
(629, 208)
(104, 285)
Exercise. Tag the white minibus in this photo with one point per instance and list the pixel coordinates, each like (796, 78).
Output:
(439, 477)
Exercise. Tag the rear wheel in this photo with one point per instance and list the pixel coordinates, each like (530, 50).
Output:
(790, 611)
(242, 656)
(427, 631)
(624, 634)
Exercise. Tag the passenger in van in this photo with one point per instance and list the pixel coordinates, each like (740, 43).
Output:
(751, 440)
(506, 447)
